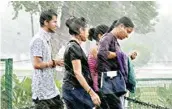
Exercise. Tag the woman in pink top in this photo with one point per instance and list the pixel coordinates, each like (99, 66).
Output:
(95, 34)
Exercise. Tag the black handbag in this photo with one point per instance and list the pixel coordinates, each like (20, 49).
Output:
(113, 85)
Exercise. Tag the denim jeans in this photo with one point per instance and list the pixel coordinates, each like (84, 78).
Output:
(76, 98)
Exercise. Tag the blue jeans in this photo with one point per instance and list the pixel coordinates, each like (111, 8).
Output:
(77, 98)
(110, 101)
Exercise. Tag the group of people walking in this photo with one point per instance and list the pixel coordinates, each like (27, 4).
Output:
(99, 80)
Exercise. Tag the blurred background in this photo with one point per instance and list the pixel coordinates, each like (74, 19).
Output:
(151, 39)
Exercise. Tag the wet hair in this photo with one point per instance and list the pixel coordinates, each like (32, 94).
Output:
(74, 24)
(124, 20)
(46, 15)
(93, 32)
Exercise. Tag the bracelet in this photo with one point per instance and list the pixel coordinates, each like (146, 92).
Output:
(89, 90)
(54, 64)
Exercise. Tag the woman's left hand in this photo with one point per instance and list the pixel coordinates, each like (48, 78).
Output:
(133, 55)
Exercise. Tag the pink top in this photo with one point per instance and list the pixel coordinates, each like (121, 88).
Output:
(92, 62)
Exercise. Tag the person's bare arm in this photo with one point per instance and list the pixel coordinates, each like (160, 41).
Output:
(39, 64)
(59, 62)
(78, 74)
(111, 55)
(94, 52)
(77, 71)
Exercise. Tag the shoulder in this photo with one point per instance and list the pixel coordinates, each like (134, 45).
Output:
(74, 50)
(36, 40)
(107, 37)
(74, 46)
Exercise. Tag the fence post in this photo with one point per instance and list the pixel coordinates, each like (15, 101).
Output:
(8, 80)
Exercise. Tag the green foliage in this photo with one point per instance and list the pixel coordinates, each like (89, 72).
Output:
(45, 5)
(59, 85)
(143, 13)
(165, 95)
(21, 93)
(4, 96)
(160, 95)
(29, 6)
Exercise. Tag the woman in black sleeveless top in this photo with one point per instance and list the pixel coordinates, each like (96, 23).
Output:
(77, 88)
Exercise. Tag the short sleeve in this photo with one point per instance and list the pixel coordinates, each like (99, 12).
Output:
(36, 48)
(75, 52)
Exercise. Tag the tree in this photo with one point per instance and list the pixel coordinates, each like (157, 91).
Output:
(143, 13)
(28, 6)
(34, 8)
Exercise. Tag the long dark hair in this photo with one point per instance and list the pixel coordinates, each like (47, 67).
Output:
(93, 32)
(124, 20)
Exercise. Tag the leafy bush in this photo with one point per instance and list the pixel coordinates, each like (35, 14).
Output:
(21, 93)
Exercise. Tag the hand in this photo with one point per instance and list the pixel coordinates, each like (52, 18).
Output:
(133, 55)
(59, 62)
(49, 64)
(95, 98)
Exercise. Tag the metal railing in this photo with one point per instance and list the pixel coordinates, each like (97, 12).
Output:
(154, 93)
